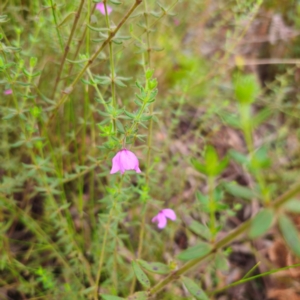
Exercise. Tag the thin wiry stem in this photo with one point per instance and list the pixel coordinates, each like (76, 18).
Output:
(112, 64)
(244, 280)
(80, 43)
(67, 48)
(55, 22)
(149, 143)
(103, 248)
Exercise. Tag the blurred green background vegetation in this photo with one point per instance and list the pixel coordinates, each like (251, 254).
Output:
(219, 144)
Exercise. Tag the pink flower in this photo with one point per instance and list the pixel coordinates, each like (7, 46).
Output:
(101, 7)
(125, 160)
(161, 217)
(8, 92)
(176, 22)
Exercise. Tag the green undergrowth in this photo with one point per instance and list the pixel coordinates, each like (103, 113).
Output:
(170, 82)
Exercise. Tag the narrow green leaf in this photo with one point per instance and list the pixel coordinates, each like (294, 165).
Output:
(239, 191)
(23, 83)
(117, 42)
(88, 82)
(146, 118)
(3, 19)
(120, 83)
(221, 262)
(199, 229)
(120, 126)
(140, 275)
(293, 205)
(97, 29)
(197, 251)
(230, 119)
(115, 2)
(203, 200)
(260, 159)
(99, 40)
(198, 166)
(246, 88)
(156, 14)
(124, 78)
(261, 116)
(239, 157)
(261, 222)
(158, 49)
(136, 15)
(66, 18)
(138, 296)
(36, 74)
(211, 156)
(130, 115)
(12, 49)
(76, 61)
(213, 166)
(290, 233)
(194, 289)
(123, 37)
(221, 166)
(137, 102)
(31, 74)
(154, 267)
(110, 297)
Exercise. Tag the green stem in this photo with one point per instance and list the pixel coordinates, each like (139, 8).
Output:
(139, 114)
(97, 89)
(88, 29)
(147, 35)
(115, 267)
(244, 280)
(67, 48)
(102, 254)
(112, 65)
(112, 70)
(245, 116)
(149, 143)
(142, 227)
(55, 22)
(211, 185)
(80, 43)
(294, 190)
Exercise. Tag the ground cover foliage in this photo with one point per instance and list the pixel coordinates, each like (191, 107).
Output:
(200, 96)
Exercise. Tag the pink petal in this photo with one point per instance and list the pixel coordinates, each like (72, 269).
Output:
(129, 161)
(125, 160)
(8, 92)
(137, 169)
(169, 213)
(116, 164)
(109, 9)
(100, 6)
(161, 220)
(176, 22)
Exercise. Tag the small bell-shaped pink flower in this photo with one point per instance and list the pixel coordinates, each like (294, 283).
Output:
(100, 6)
(161, 217)
(8, 92)
(125, 160)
